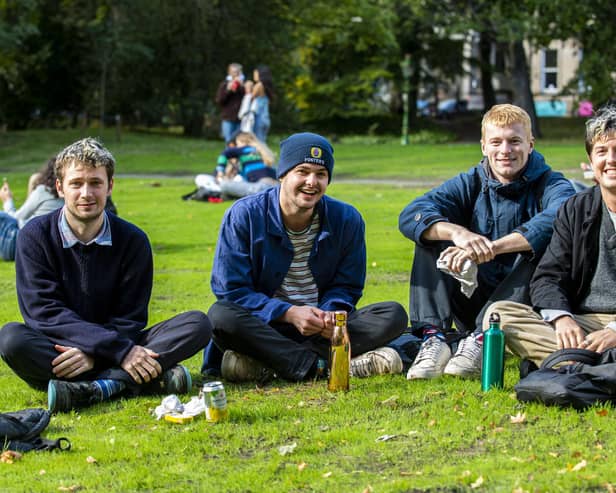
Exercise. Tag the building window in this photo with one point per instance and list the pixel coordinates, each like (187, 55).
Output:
(549, 71)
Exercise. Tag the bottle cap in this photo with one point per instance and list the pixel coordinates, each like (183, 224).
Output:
(494, 318)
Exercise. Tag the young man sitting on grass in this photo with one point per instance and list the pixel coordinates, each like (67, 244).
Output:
(84, 279)
(496, 219)
(286, 259)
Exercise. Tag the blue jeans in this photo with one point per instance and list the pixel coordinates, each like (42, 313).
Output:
(228, 128)
(8, 236)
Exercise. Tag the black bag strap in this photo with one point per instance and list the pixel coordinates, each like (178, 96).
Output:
(579, 355)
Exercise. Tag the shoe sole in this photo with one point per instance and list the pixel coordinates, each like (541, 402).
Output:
(461, 373)
(51, 397)
(428, 375)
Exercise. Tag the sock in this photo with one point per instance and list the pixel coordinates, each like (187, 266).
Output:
(107, 387)
(433, 331)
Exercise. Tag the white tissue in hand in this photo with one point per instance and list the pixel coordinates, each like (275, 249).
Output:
(467, 276)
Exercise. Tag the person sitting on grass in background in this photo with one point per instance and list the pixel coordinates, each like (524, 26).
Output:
(84, 279)
(42, 199)
(243, 168)
(285, 260)
(572, 290)
(250, 160)
(490, 225)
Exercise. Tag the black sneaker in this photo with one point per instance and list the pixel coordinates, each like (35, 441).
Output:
(63, 396)
(175, 380)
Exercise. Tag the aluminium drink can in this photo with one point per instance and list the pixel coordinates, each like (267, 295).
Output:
(215, 400)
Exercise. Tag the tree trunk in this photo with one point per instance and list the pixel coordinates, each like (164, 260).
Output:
(520, 79)
(485, 67)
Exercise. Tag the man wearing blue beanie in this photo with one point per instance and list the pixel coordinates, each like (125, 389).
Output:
(286, 259)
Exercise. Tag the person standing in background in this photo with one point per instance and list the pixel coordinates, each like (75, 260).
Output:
(229, 98)
(263, 94)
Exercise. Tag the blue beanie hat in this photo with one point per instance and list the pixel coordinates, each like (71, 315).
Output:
(305, 148)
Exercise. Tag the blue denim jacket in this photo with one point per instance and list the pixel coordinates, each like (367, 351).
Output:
(495, 210)
(254, 253)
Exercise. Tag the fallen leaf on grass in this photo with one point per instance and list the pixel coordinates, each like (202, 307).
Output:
(287, 449)
(602, 412)
(91, 460)
(74, 487)
(385, 438)
(610, 488)
(10, 456)
(368, 489)
(465, 474)
(390, 401)
(477, 483)
(408, 473)
(553, 454)
(301, 466)
(432, 422)
(42, 471)
(579, 466)
(327, 474)
(518, 418)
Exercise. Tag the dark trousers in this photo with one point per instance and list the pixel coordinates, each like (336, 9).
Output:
(291, 355)
(436, 298)
(29, 352)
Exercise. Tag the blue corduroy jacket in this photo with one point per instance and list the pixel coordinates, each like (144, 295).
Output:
(91, 297)
(254, 253)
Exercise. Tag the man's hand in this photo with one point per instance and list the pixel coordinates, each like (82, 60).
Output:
(71, 362)
(309, 320)
(568, 333)
(600, 340)
(479, 248)
(140, 363)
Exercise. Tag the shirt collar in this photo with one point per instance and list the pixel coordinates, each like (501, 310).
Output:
(69, 239)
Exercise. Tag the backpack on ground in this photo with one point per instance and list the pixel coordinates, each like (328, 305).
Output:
(587, 378)
(20, 431)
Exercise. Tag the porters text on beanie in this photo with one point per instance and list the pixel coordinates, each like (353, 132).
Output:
(305, 148)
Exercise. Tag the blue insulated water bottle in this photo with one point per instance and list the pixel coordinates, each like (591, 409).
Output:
(493, 367)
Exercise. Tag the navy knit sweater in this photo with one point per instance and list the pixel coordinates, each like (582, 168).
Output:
(91, 297)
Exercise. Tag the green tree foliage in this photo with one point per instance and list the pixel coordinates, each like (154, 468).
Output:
(23, 54)
(343, 56)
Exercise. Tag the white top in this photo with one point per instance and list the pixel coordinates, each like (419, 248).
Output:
(40, 201)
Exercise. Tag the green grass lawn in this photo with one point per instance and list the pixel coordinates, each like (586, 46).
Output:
(442, 435)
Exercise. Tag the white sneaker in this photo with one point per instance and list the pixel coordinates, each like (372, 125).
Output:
(237, 367)
(431, 359)
(467, 360)
(378, 362)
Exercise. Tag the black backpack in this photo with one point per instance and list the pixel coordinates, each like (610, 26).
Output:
(20, 431)
(588, 378)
